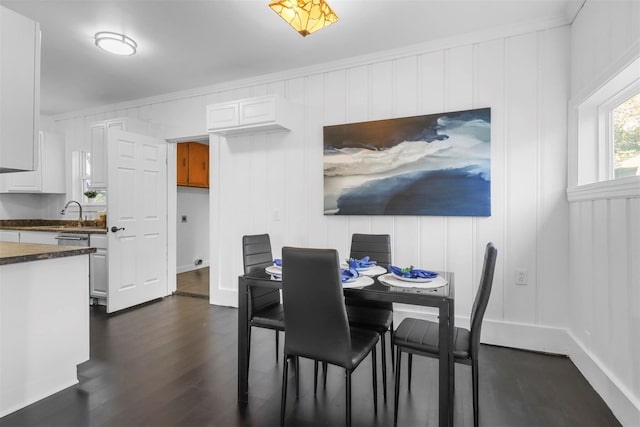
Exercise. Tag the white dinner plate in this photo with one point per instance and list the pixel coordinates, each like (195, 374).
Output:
(393, 280)
(274, 269)
(359, 282)
(375, 270)
(413, 279)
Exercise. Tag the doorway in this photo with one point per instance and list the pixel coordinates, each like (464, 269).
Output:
(192, 218)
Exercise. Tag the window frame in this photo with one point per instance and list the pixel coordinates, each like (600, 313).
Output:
(606, 128)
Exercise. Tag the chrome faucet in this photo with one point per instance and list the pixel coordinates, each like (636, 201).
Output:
(64, 210)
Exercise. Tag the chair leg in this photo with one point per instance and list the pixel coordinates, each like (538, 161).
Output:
(277, 344)
(283, 398)
(325, 368)
(384, 365)
(297, 377)
(315, 377)
(347, 374)
(474, 379)
(410, 364)
(397, 387)
(374, 372)
(391, 341)
(248, 350)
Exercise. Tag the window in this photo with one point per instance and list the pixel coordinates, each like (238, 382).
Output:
(625, 138)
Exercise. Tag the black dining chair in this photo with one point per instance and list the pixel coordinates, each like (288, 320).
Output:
(265, 310)
(317, 325)
(417, 336)
(374, 315)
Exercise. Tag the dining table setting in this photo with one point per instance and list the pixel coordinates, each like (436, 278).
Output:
(364, 279)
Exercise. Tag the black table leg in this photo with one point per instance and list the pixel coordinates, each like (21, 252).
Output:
(243, 324)
(445, 368)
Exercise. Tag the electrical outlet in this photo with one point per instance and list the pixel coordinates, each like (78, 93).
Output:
(183, 218)
(521, 276)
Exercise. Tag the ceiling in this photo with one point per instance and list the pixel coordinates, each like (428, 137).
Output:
(185, 44)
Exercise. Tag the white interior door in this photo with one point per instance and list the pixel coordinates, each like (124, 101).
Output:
(137, 208)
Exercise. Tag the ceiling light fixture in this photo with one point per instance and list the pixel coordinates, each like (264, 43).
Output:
(305, 16)
(115, 43)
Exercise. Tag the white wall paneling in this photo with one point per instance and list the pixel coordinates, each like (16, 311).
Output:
(604, 232)
(191, 236)
(273, 182)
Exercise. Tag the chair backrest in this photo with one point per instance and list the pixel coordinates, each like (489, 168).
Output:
(482, 297)
(378, 248)
(256, 255)
(317, 325)
(375, 246)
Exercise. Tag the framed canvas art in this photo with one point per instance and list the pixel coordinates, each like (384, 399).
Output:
(436, 164)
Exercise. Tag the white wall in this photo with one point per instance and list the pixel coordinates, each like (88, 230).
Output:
(605, 228)
(192, 240)
(273, 182)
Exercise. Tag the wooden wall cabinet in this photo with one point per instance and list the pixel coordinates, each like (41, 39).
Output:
(19, 91)
(192, 165)
(252, 115)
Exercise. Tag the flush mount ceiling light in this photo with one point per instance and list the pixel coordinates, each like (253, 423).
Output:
(305, 16)
(115, 43)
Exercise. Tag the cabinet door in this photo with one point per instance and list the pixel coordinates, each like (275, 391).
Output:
(40, 237)
(98, 136)
(27, 182)
(9, 236)
(198, 165)
(98, 274)
(182, 163)
(98, 266)
(257, 110)
(20, 89)
(223, 115)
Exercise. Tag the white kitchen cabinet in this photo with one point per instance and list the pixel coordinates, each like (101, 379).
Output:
(49, 176)
(19, 91)
(10, 236)
(98, 267)
(40, 237)
(252, 115)
(98, 137)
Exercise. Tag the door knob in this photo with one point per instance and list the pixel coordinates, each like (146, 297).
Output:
(114, 229)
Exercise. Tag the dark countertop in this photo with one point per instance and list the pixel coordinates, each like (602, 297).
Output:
(54, 225)
(13, 253)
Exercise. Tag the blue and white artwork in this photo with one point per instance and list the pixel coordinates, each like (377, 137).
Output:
(436, 164)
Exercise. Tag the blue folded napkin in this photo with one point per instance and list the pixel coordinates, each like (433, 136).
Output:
(277, 262)
(360, 263)
(348, 274)
(414, 273)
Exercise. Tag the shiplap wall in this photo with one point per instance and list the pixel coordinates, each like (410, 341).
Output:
(605, 231)
(273, 182)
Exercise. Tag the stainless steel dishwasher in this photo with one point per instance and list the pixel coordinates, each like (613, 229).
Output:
(73, 239)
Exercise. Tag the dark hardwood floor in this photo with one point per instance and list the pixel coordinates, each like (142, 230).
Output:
(194, 283)
(173, 363)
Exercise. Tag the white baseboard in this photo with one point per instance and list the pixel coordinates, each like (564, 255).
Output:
(619, 399)
(190, 267)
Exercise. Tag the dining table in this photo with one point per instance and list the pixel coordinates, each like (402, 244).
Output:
(441, 298)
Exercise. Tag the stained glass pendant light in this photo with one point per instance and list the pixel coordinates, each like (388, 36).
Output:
(305, 16)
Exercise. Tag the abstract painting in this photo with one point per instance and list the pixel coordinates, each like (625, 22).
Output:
(436, 164)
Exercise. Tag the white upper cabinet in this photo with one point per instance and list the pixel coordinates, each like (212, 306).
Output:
(251, 115)
(49, 176)
(19, 91)
(98, 137)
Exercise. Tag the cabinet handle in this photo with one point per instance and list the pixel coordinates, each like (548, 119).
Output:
(184, 162)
